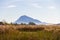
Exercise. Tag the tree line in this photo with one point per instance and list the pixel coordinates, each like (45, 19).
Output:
(5, 23)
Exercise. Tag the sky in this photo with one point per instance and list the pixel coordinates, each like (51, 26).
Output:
(43, 10)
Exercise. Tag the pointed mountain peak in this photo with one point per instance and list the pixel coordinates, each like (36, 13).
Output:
(27, 19)
(24, 16)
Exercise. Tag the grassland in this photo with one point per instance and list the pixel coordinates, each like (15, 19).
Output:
(29, 32)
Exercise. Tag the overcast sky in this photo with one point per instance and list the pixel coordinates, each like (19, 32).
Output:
(43, 10)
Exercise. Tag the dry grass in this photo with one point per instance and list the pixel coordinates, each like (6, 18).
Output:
(31, 27)
(44, 32)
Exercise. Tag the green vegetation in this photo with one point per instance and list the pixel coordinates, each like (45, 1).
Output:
(32, 23)
(11, 32)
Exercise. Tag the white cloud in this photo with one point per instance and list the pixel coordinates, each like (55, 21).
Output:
(37, 5)
(52, 7)
(11, 6)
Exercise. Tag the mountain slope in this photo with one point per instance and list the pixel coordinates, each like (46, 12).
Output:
(26, 19)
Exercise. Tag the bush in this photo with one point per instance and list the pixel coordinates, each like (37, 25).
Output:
(32, 23)
(30, 28)
(23, 24)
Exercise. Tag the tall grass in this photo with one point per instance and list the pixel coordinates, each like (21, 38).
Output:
(11, 32)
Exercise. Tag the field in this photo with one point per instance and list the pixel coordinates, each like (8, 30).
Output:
(29, 32)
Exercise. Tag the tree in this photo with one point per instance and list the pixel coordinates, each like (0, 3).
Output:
(4, 22)
(1, 23)
(32, 23)
(23, 23)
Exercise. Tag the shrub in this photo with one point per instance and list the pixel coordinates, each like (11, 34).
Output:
(32, 23)
(23, 24)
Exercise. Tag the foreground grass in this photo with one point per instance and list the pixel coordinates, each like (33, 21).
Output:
(13, 34)
(41, 35)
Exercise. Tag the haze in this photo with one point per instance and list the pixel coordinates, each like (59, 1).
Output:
(43, 10)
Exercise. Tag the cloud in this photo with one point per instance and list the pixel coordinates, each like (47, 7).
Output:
(52, 7)
(11, 6)
(37, 5)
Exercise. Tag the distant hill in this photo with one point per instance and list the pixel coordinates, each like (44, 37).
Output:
(26, 19)
(58, 24)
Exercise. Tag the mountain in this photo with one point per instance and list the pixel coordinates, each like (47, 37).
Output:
(26, 19)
